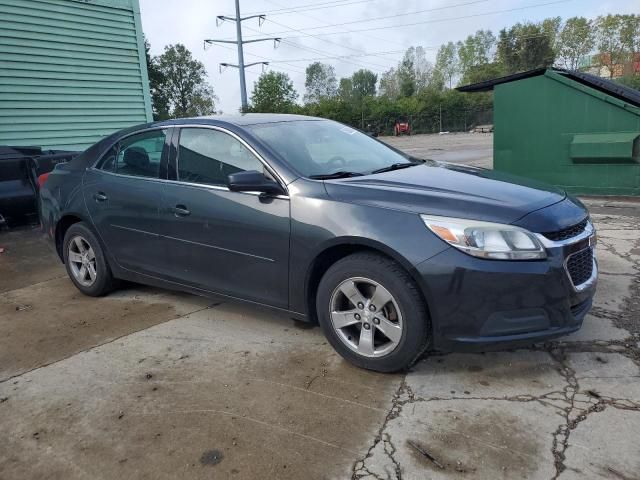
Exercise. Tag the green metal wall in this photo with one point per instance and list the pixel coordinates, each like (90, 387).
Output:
(71, 71)
(537, 119)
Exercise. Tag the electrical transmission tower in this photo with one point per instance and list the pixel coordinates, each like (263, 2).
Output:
(239, 42)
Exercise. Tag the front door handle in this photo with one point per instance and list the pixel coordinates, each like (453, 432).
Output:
(180, 211)
(100, 197)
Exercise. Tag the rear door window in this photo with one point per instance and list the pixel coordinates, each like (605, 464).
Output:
(137, 155)
(209, 156)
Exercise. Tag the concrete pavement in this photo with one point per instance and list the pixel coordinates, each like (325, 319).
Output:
(146, 383)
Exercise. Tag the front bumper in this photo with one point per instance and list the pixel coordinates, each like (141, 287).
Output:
(479, 305)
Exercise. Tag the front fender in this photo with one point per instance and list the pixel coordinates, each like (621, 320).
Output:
(318, 224)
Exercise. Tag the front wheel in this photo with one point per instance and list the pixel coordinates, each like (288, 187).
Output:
(372, 313)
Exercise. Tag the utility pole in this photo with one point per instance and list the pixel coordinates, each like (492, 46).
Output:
(239, 42)
(243, 83)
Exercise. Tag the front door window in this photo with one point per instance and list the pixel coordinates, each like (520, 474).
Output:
(209, 156)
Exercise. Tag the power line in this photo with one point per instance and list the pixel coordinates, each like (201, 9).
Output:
(426, 10)
(339, 57)
(320, 52)
(328, 57)
(286, 40)
(316, 19)
(311, 35)
(425, 22)
(313, 6)
(384, 17)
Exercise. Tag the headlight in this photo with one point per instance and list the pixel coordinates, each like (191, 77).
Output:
(485, 239)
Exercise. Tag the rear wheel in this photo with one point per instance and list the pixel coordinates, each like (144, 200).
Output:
(372, 313)
(85, 261)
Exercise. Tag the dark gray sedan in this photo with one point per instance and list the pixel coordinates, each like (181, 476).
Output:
(390, 254)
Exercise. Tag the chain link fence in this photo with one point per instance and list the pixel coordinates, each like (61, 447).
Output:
(433, 121)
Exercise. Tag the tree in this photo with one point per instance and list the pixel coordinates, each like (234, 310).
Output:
(183, 84)
(389, 86)
(407, 75)
(414, 74)
(159, 99)
(447, 62)
(481, 73)
(575, 40)
(320, 82)
(345, 91)
(273, 92)
(364, 83)
(551, 28)
(476, 49)
(525, 46)
(630, 34)
(424, 72)
(609, 42)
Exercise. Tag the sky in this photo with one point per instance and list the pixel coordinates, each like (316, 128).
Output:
(384, 28)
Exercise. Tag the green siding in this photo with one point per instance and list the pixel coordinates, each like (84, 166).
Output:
(71, 71)
(536, 121)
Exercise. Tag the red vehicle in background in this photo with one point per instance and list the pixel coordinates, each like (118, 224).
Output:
(402, 127)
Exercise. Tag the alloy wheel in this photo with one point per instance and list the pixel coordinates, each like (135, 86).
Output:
(366, 317)
(82, 261)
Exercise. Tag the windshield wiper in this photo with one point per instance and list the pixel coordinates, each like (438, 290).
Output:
(398, 166)
(340, 174)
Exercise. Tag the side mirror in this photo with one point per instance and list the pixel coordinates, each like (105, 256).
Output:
(253, 181)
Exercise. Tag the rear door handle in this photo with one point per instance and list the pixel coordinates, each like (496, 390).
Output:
(100, 197)
(180, 211)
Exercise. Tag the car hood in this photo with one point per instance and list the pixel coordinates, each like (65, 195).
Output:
(438, 188)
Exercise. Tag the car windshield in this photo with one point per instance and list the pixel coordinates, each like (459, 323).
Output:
(323, 147)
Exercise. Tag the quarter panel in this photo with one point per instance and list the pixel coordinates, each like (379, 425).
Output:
(61, 195)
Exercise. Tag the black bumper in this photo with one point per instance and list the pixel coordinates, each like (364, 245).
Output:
(481, 305)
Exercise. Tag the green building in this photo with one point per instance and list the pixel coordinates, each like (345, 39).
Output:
(570, 129)
(71, 71)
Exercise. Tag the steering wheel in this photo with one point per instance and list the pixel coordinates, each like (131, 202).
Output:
(337, 162)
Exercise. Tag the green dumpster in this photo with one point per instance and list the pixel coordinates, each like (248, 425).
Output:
(571, 129)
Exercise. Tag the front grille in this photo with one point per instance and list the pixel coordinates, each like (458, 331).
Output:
(568, 232)
(580, 266)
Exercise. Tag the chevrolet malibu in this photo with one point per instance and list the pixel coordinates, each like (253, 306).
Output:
(392, 255)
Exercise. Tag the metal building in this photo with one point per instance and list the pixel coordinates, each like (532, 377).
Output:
(71, 71)
(570, 129)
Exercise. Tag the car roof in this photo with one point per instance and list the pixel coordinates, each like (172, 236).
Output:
(240, 119)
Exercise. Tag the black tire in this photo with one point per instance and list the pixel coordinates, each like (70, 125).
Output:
(416, 328)
(104, 282)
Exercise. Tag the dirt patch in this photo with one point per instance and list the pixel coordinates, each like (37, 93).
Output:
(27, 259)
(629, 319)
(53, 320)
(484, 441)
(219, 380)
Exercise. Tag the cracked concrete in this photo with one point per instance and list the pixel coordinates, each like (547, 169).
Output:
(565, 409)
(149, 384)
